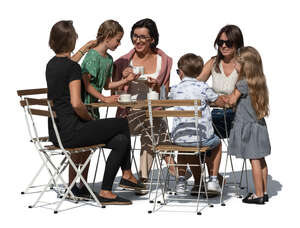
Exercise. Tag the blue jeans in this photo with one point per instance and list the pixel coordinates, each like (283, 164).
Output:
(219, 123)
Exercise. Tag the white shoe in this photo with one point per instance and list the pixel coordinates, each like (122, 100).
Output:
(181, 186)
(213, 186)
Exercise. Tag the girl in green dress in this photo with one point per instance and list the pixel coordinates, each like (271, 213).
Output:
(97, 66)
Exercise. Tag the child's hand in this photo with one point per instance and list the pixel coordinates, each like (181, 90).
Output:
(89, 45)
(152, 82)
(132, 77)
(127, 72)
(111, 99)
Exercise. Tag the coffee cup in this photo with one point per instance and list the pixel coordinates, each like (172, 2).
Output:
(138, 70)
(125, 97)
(152, 95)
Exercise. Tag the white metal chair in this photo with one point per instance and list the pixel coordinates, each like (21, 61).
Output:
(35, 93)
(47, 151)
(236, 184)
(161, 150)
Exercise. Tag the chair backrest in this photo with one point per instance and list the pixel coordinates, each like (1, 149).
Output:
(153, 113)
(35, 103)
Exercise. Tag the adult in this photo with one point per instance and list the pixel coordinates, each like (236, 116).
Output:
(157, 66)
(224, 76)
(76, 127)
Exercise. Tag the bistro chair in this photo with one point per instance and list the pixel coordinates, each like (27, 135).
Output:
(174, 150)
(48, 151)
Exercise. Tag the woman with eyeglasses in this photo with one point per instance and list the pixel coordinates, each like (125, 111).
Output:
(156, 65)
(224, 77)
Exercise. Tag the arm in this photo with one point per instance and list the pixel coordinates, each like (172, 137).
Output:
(232, 99)
(219, 102)
(92, 91)
(78, 55)
(78, 106)
(206, 72)
(126, 79)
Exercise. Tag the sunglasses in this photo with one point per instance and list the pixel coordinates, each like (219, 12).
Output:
(228, 43)
(178, 71)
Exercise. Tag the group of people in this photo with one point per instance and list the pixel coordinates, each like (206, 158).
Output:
(238, 81)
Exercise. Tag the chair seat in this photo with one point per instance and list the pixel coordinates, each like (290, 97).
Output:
(76, 149)
(181, 148)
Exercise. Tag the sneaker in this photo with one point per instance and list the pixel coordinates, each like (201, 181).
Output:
(213, 186)
(181, 186)
(188, 174)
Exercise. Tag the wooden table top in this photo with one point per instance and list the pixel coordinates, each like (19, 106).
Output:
(144, 103)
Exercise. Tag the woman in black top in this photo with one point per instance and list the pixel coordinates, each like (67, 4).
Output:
(76, 127)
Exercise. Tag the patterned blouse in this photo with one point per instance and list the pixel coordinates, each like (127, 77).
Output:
(184, 129)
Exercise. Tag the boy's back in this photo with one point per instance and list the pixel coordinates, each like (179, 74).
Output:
(184, 130)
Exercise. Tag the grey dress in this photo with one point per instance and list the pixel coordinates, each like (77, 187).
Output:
(249, 137)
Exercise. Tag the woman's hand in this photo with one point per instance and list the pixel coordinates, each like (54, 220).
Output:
(111, 99)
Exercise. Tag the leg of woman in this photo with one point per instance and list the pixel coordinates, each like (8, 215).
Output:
(114, 133)
(257, 177)
(264, 168)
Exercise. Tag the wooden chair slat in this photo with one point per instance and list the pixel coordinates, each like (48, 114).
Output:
(40, 112)
(181, 148)
(41, 139)
(173, 113)
(35, 101)
(32, 91)
(77, 149)
(171, 103)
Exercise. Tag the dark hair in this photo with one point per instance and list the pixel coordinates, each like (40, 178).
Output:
(62, 37)
(190, 64)
(151, 26)
(233, 34)
(108, 29)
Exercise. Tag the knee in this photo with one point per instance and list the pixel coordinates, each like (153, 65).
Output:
(121, 141)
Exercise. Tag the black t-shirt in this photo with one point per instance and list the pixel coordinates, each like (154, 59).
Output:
(60, 72)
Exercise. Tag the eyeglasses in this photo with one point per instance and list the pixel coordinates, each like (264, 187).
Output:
(228, 43)
(142, 38)
(178, 71)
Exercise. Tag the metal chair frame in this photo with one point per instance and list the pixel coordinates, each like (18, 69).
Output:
(160, 150)
(47, 152)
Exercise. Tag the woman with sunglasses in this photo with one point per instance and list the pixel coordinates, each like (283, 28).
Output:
(224, 77)
(157, 66)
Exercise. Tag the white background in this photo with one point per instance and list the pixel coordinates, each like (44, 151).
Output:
(184, 26)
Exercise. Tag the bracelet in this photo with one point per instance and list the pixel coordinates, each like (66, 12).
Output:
(81, 52)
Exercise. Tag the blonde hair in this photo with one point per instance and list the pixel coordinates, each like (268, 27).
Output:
(108, 29)
(252, 71)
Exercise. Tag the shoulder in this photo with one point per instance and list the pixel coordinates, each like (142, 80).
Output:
(92, 55)
(163, 54)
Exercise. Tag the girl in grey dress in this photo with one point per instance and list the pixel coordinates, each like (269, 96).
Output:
(249, 137)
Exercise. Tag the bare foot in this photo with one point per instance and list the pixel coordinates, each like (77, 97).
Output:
(107, 194)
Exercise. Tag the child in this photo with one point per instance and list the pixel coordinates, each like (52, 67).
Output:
(249, 136)
(184, 131)
(97, 66)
